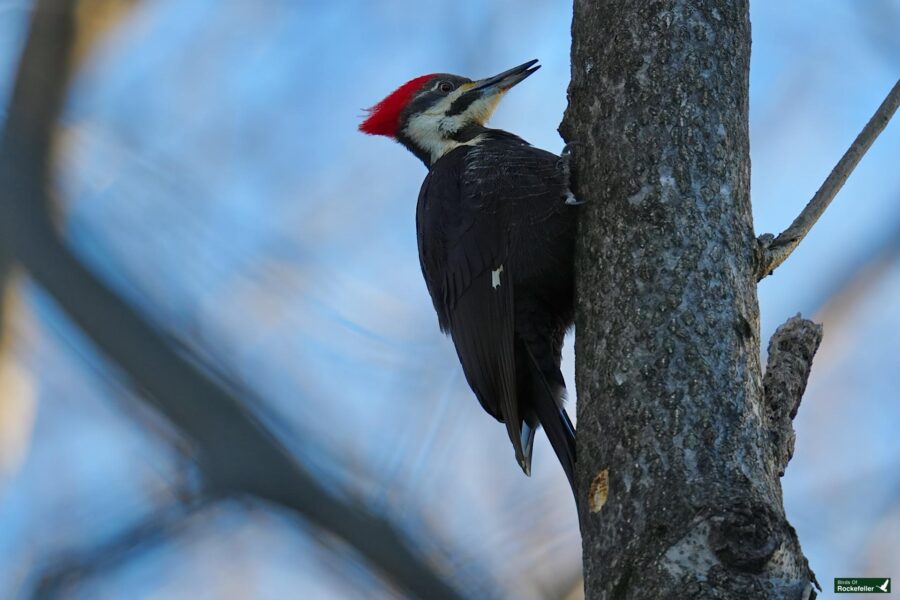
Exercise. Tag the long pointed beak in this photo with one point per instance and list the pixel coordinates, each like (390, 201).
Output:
(506, 79)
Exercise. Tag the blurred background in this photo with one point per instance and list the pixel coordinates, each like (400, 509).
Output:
(209, 170)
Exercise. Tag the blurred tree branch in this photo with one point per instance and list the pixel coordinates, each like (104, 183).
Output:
(857, 281)
(93, 19)
(161, 525)
(775, 250)
(236, 452)
(6, 264)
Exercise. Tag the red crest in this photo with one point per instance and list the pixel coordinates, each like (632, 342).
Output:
(384, 117)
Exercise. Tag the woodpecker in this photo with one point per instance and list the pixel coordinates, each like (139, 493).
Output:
(496, 231)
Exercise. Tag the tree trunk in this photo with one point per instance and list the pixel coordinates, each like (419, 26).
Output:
(677, 468)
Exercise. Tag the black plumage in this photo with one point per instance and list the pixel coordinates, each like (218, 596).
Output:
(496, 231)
(496, 248)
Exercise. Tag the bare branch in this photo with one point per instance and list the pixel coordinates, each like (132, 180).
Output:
(236, 452)
(774, 250)
(791, 352)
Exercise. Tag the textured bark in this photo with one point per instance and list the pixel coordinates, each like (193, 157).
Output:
(791, 351)
(680, 485)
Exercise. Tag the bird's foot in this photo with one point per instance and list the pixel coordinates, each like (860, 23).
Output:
(564, 164)
(571, 200)
(565, 169)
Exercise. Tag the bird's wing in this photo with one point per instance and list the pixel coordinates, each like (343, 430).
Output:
(464, 218)
(462, 250)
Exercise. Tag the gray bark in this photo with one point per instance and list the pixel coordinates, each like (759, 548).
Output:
(678, 475)
(791, 350)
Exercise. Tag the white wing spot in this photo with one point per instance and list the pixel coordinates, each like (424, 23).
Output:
(495, 277)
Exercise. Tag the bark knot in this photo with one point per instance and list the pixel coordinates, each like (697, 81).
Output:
(745, 536)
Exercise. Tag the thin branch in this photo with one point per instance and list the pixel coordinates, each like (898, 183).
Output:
(236, 452)
(791, 352)
(774, 250)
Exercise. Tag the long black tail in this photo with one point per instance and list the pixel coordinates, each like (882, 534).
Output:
(554, 420)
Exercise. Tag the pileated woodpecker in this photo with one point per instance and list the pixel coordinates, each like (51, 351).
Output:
(496, 240)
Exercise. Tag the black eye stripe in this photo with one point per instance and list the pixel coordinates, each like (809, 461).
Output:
(460, 105)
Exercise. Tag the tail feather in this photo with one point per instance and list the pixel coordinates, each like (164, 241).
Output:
(527, 440)
(555, 421)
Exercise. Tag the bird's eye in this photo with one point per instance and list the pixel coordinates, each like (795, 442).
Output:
(445, 87)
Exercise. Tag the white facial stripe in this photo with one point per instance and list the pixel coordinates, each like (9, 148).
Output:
(425, 131)
(444, 105)
(431, 130)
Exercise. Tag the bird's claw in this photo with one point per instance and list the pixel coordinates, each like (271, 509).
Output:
(565, 168)
(567, 149)
(564, 164)
(571, 200)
